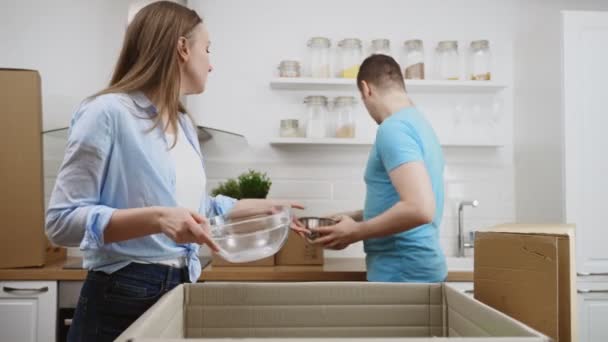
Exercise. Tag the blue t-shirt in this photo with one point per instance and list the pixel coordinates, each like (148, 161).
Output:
(414, 255)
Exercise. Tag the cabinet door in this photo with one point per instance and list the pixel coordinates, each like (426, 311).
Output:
(593, 314)
(28, 311)
(585, 53)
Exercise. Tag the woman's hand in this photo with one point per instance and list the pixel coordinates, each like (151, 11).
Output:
(186, 226)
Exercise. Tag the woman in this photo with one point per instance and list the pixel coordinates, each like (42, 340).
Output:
(131, 190)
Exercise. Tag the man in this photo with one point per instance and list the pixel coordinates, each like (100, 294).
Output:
(404, 180)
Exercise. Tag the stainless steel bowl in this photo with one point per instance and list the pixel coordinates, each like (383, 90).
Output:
(312, 223)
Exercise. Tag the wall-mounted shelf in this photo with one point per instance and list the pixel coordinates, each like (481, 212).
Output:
(418, 86)
(320, 141)
(279, 142)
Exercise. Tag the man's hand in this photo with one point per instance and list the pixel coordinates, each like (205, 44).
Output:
(339, 236)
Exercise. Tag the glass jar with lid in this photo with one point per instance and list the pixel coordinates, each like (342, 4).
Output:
(448, 60)
(381, 47)
(343, 110)
(289, 68)
(351, 55)
(480, 60)
(289, 128)
(319, 57)
(414, 60)
(316, 116)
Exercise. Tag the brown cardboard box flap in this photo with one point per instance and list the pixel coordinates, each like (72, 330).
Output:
(325, 310)
(527, 272)
(21, 177)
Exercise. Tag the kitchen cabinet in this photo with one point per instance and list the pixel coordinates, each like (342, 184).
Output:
(585, 71)
(593, 311)
(28, 311)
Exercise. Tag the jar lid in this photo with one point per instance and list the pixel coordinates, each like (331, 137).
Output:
(316, 100)
(447, 45)
(480, 44)
(289, 123)
(381, 43)
(345, 100)
(413, 44)
(319, 42)
(290, 64)
(350, 43)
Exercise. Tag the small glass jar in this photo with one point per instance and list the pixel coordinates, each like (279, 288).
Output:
(316, 116)
(289, 68)
(289, 128)
(381, 47)
(345, 125)
(319, 57)
(414, 60)
(480, 60)
(351, 55)
(448, 60)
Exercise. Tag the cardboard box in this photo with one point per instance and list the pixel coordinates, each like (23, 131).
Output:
(218, 261)
(23, 242)
(321, 311)
(299, 252)
(528, 272)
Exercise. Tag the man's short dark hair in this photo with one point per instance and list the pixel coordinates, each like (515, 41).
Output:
(382, 71)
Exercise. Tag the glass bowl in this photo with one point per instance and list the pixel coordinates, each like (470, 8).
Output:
(245, 236)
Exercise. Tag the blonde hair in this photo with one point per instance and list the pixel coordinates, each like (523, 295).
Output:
(149, 59)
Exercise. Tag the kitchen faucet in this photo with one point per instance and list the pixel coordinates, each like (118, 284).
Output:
(461, 243)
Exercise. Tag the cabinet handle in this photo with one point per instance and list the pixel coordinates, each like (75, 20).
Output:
(14, 289)
(589, 274)
(591, 291)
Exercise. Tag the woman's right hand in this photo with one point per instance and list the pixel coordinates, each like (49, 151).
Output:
(186, 226)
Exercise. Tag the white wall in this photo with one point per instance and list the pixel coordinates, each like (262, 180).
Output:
(538, 112)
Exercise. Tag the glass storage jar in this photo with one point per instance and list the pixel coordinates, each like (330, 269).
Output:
(289, 128)
(316, 116)
(448, 60)
(414, 60)
(344, 126)
(319, 57)
(381, 46)
(351, 54)
(289, 68)
(480, 60)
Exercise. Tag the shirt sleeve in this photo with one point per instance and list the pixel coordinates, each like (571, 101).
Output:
(218, 205)
(396, 145)
(75, 215)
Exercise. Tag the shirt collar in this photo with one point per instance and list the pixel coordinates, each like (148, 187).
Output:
(142, 101)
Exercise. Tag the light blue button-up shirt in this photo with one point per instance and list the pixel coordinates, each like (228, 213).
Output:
(115, 159)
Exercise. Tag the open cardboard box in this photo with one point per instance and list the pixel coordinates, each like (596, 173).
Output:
(320, 311)
(528, 272)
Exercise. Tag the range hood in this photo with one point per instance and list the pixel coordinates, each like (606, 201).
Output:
(206, 136)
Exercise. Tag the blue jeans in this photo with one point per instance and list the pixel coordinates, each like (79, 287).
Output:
(109, 303)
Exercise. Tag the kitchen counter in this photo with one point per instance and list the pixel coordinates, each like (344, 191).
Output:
(335, 269)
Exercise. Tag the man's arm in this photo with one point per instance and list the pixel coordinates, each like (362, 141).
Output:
(416, 206)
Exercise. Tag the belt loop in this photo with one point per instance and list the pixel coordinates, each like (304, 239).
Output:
(168, 276)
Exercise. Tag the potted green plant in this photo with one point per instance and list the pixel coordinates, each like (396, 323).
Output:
(250, 184)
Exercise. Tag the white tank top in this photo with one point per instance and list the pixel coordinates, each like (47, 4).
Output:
(190, 179)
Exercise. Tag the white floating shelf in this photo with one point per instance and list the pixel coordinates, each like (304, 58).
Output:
(364, 142)
(320, 141)
(429, 86)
